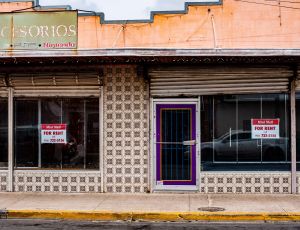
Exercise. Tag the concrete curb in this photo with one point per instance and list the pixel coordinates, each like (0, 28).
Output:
(151, 216)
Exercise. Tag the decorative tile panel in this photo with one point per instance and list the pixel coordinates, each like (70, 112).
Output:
(57, 181)
(246, 182)
(3, 181)
(126, 138)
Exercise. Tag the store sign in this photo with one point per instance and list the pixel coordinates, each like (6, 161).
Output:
(53, 133)
(39, 30)
(265, 128)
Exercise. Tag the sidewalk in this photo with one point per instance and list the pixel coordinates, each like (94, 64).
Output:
(151, 207)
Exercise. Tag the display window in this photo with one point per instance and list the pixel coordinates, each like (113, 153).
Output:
(245, 132)
(3, 133)
(56, 133)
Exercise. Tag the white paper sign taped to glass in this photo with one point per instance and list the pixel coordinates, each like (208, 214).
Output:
(53, 133)
(265, 128)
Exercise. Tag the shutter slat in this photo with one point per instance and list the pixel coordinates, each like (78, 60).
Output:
(87, 84)
(175, 81)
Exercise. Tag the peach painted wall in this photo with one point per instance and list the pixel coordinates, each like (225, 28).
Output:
(234, 24)
(10, 6)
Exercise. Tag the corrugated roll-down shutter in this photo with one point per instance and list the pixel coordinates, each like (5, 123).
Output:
(59, 85)
(176, 81)
(3, 87)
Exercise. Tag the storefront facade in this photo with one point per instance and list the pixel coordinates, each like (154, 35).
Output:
(224, 101)
(149, 119)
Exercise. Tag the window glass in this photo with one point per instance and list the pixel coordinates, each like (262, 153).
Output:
(276, 106)
(298, 129)
(73, 116)
(26, 133)
(3, 133)
(26, 112)
(51, 154)
(81, 117)
(226, 132)
(92, 133)
(249, 107)
(51, 111)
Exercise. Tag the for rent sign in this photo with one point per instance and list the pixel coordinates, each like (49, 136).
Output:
(265, 128)
(38, 30)
(53, 133)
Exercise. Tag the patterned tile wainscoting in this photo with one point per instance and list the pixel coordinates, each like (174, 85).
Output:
(126, 106)
(3, 181)
(57, 181)
(246, 182)
(298, 183)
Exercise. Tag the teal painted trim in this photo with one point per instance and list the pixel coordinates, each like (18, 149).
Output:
(34, 2)
(66, 7)
(102, 15)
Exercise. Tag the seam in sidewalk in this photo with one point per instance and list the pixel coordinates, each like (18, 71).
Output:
(100, 203)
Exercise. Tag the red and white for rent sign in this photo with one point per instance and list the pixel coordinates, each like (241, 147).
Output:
(53, 133)
(265, 128)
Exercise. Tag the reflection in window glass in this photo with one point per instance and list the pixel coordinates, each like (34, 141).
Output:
(3, 133)
(82, 119)
(249, 107)
(51, 111)
(226, 132)
(276, 149)
(73, 115)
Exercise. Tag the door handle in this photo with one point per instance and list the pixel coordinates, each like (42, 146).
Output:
(259, 142)
(190, 142)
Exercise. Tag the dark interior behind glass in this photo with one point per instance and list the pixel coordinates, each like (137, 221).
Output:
(298, 129)
(226, 141)
(3, 133)
(26, 133)
(82, 119)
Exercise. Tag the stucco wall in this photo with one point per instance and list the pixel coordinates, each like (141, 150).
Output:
(234, 24)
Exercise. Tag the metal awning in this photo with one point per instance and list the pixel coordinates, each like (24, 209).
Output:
(87, 60)
(88, 57)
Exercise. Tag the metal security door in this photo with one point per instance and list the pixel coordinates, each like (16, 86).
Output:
(175, 145)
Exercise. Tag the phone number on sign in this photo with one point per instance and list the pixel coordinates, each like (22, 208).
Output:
(268, 135)
(56, 141)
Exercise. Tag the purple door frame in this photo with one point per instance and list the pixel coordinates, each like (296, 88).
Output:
(159, 108)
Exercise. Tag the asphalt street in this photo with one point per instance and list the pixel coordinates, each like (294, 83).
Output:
(27, 224)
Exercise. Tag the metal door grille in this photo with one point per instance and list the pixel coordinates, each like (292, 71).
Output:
(175, 156)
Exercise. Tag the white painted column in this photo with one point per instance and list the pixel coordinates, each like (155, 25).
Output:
(293, 138)
(10, 141)
(101, 138)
